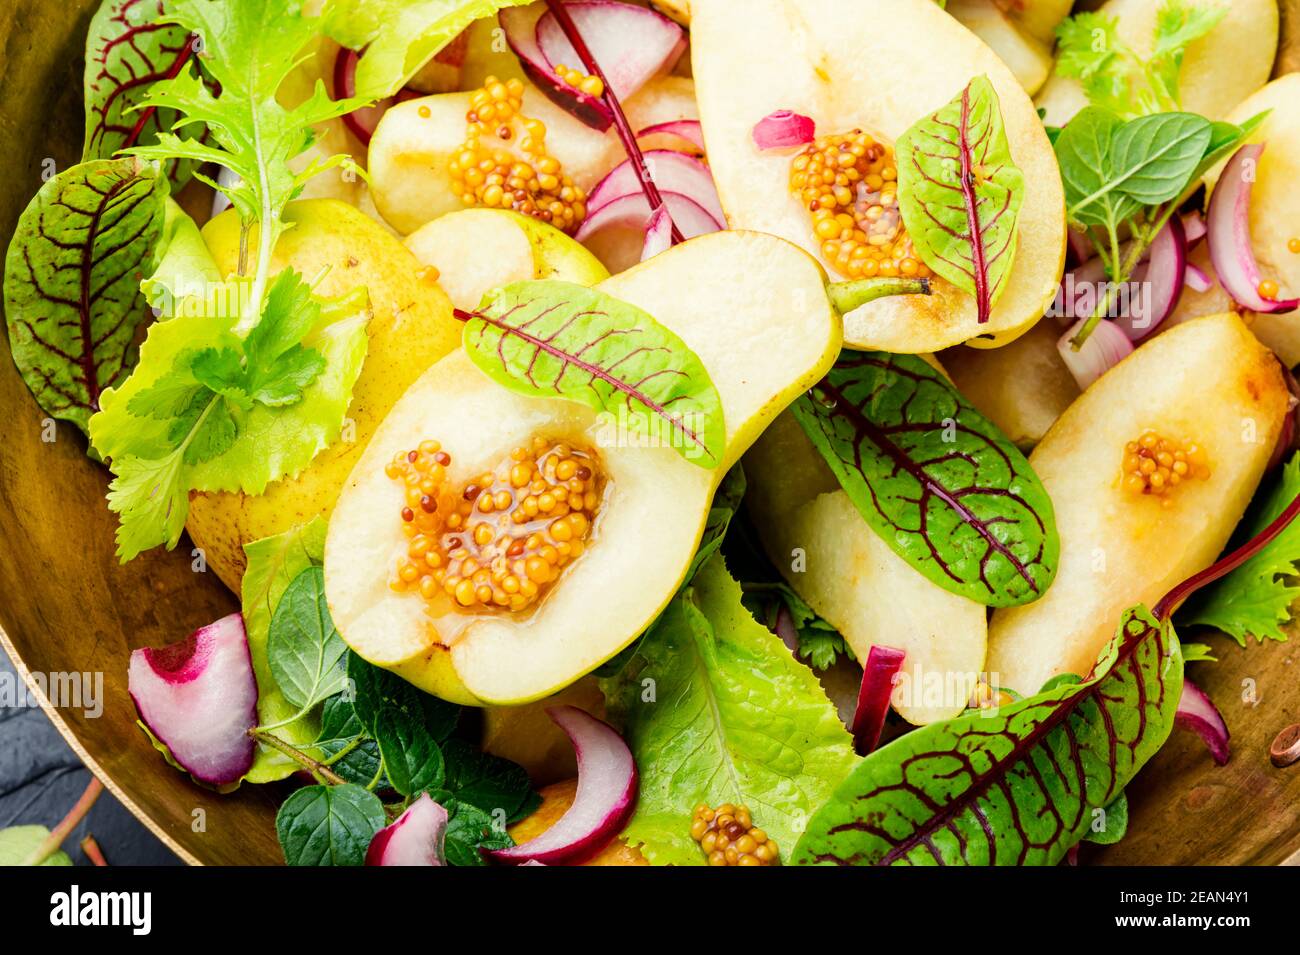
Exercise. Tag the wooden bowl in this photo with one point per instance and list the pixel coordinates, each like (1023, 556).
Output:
(67, 606)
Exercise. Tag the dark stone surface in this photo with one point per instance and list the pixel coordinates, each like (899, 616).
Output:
(41, 778)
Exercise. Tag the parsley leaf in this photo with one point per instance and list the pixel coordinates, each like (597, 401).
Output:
(1114, 75)
(1256, 599)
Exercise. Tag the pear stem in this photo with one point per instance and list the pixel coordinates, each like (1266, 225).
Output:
(50, 844)
(298, 756)
(846, 296)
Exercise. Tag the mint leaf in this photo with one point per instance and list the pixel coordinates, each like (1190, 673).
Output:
(490, 783)
(411, 757)
(1153, 158)
(960, 192)
(717, 710)
(72, 297)
(1257, 598)
(554, 339)
(303, 646)
(329, 825)
(470, 832)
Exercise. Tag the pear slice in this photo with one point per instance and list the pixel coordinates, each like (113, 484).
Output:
(755, 311)
(1219, 71)
(412, 148)
(522, 248)
(834, 560)
(1037, 18)
(1028, 57)
(1208, 382)
(1022, 388)
(878, 65)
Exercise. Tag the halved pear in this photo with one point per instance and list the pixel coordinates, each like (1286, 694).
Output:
(1220, 69)
(841, 567)
(752, 307)
(1029, 57)
(1038, 18)
(1022, 388)
(1208, 382)
(412, 149)
(511, 247)
(880, 65)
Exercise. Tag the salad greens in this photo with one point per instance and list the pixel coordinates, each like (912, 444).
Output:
(1114, 76)
(304, 647)
(556, 339)
(959, 193)
(946, 490)
(820, 644)
(400, 36)
(127, 50)
(1257, 598)
(1013, 786)
(71, 289)
(716, 710)
(329, 825)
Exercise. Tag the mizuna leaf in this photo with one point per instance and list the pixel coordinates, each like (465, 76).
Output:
(72, 281)
(127, 50)
(560, 340)
(946, 490)
(960, 192)
(1015, 786)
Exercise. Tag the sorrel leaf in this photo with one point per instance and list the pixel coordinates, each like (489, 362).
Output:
(559, 340)
(934, 478)
(72, 281)
(960, 193)
(1015, 786)
(127, 51)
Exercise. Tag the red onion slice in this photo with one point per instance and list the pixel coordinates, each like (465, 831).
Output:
(878, 674)
(784, 130)
(688, 130)
(633, 212)
(1197, 712)
(1194, 227)
(658, 233)
(607, 784)
(1105, 348)
(785, 629)
(672, 172)
(1160, 283)
(413, 838)
(360, 122)
(1079, 247)
(1197, 279)
(1229, 235)
(199, 698)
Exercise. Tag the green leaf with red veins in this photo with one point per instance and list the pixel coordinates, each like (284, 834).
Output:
(128, 50)
(560, 340)
(959, 192)
(72, 281)
(940, 484)
(1019, 785)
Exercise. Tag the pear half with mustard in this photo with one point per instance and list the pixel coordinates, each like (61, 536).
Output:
(866, 71)
(751, 307)
(1149, 472)
(411, 326)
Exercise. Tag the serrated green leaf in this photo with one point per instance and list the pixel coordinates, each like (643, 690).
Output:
(1011, 786)
(411, 757)
(72, 297)
(304, 646)
(556, 339)
(960, 192)
(937, 481)
(717, 710)
(329, 825)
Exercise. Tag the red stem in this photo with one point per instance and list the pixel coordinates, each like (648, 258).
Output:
(51, 843)
(1174, 599)
(978, 265)
(91, 848)
(633, 148)
(173, 71)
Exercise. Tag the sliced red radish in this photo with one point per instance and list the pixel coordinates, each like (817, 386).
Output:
(1197, 279)
(878, 675)
(413, 838)
(633, 212)
(1160, 283)
(199, 698)
(658, 234)
(631, 43)
(1105, 348)
(784, 130)
(672, 172)
(687, 130)
(1197, 712)
(607, 784)
(1229, 235)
